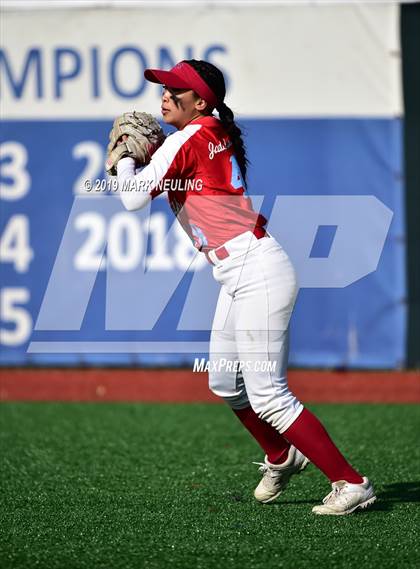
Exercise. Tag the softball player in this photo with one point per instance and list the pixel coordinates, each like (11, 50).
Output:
(258, 282)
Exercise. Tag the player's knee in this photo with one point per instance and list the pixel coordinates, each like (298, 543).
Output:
(237, 401)
(223, 385)
(278, 410)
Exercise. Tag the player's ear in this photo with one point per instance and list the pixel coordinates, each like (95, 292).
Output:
(201, 105)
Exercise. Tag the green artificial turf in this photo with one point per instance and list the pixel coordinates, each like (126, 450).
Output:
(170, 486)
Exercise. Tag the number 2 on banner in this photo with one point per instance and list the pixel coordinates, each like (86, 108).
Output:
(14, 243)
(93, 153)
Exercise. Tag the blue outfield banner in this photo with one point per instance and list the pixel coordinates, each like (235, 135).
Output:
(331, 188)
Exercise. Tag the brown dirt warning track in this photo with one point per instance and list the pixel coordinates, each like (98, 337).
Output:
(182, 385)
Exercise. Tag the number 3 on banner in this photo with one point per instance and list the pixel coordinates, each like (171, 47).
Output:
(14, 159)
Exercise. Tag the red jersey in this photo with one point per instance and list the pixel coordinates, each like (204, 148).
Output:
(198, 169)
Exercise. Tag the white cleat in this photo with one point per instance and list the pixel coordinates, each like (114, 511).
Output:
(276, 476)
(345, 498)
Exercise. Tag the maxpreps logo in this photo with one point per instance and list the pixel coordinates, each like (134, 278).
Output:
(323, 235)
(224, 365)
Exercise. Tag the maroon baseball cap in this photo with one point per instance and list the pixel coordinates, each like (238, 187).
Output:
(183, 76)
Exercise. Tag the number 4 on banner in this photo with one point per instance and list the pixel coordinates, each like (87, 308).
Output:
(14, 243)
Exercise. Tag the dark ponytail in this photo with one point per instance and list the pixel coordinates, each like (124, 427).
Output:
(215, 80)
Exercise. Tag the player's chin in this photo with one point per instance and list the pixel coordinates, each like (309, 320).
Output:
(166, 116)
(168, 119)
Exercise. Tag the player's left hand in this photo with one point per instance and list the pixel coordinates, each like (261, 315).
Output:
(134, 134)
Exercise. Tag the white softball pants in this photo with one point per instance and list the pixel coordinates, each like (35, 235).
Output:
(251, 328)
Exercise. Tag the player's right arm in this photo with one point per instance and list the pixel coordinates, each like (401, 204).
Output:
(174, 158)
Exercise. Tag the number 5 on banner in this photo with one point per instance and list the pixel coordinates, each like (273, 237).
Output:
(17, 315)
